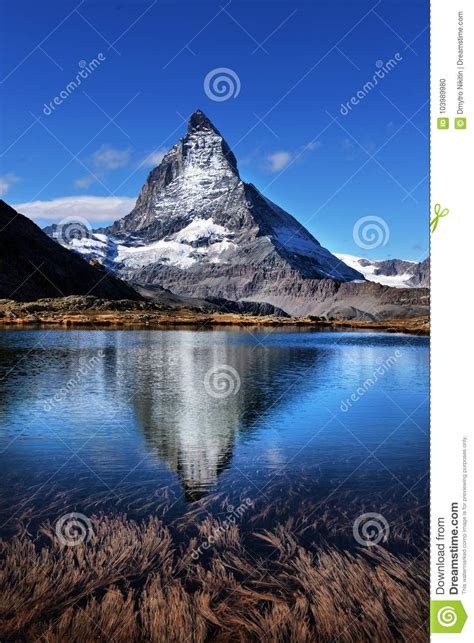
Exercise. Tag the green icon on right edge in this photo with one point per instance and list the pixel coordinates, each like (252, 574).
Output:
(447, 617)
(460, 123)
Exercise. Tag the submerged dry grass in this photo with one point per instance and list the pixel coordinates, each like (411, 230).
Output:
(266, 578)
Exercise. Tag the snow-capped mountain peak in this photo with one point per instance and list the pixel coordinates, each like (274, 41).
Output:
(196, 220)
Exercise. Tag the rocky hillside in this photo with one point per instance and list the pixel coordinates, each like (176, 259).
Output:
(348, 300)
(421, 275)
(32, 265)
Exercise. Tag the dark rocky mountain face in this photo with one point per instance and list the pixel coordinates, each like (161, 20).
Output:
(418, 274)
(33, 266)
(391, 267)
(421, 274)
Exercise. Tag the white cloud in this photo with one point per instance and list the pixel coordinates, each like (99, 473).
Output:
(93, 208)
(313, 145)
(153, 159)
(6, 181)
(84, 181)
(278, 160)
(349, 148)
(110, 158)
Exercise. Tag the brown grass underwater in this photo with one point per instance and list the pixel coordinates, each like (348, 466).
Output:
(265, 578)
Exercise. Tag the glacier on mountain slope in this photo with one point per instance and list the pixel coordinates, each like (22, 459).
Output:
(178, 251)
(372, 271)
(175, 250)
(202, 229)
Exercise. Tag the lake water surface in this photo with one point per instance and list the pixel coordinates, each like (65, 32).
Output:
(132, 419)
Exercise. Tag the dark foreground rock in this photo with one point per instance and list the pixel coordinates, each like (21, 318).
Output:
(32, 265)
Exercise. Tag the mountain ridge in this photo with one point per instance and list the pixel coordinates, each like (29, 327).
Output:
(397, 273)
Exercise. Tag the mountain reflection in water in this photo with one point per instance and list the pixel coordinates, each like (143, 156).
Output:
(140, 420)
(189, 428)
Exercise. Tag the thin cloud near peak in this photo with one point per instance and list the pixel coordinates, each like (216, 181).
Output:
(278, 160)
(153, 159)
(110, 158)
(84, 182)
(96, 209)
(6, 181)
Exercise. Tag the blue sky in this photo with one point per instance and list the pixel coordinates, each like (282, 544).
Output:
(296, 63)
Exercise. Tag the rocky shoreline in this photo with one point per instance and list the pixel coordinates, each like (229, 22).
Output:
(92, 312)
